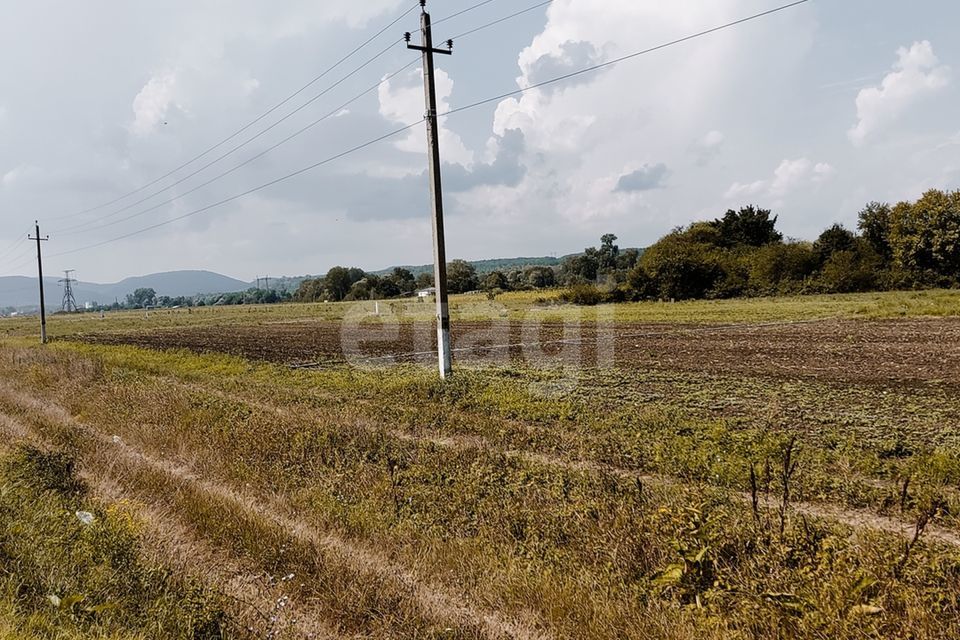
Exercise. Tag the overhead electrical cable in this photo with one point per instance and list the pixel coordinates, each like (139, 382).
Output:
(86, 226)
(460, 13)
(253, 158)
(247, 126)
(247, 192)
(615, 61)
(16, 244)
(504, 19)
(450, 112)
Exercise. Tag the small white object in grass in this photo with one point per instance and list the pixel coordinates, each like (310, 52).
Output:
(85, 517)
(117, 440)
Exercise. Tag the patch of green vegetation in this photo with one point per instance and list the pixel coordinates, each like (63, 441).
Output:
(364, 454)
(521, 305)
(72, 568)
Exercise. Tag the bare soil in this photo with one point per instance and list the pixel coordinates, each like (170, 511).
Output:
(885, 352)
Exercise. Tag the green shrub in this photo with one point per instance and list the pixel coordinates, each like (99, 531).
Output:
(584, 294)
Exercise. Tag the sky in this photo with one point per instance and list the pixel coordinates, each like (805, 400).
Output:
(811, 112)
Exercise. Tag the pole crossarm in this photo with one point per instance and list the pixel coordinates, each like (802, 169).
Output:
(446, 52)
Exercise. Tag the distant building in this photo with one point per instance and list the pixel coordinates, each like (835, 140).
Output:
(426, 293)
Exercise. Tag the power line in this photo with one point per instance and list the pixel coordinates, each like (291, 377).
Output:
(257, 119)
(467, 10)
(13, 247)
(450, 112)
(249, 124)
(246, 162)
(504, 19)
(18, 256)
(245, 193)
(615, 61)
(80, 228)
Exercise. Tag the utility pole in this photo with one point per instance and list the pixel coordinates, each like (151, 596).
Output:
(436, 189)
(43, 305)
(267, 280)
(69, 304)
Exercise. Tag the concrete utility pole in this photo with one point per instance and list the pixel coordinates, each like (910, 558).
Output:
(436, 190)
(43, 305)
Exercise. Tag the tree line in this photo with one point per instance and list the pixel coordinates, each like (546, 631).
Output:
(147, 298)
(904, 246)
(742, 253)
(909, 245)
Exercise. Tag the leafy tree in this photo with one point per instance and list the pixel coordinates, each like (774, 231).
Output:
(425, 280)
(356, 274)
(539, 277)
(874, 225)
(338, 282)
(310, 290)
(834, 240)
(494, 281)
(703, 233)
(851, 270)
(608, 253)
(627, 259)
(782, 268)
(681, 269)
(581, 268)
(925, 236)
(461, 277)
(640, 283)
(363, 289)
(403, 279)
(750, 226)
(142, 298)
(381, 288)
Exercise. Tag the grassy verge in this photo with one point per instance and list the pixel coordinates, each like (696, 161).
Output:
(71, 567)
(579, 552)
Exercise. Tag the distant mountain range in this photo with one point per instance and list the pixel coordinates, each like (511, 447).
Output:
(21, 292)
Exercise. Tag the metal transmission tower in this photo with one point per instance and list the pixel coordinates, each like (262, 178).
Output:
(436, 190)
(43, 304)
(69, 302)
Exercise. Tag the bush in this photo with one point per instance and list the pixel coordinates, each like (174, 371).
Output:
(781, 268)
(681, 269)
(585, 294)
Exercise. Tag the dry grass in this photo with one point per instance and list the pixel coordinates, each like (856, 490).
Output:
(480, 508)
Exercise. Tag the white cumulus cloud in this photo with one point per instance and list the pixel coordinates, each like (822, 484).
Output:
(401, 101)
(789, 176)
(151, 105)
(916, 73)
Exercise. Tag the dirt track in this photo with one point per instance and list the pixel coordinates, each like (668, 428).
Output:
(884, 352)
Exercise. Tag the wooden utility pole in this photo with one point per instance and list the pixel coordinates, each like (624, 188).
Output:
(436, 190)
(43, 304)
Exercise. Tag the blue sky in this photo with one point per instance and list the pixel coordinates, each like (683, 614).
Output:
(811, 112)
